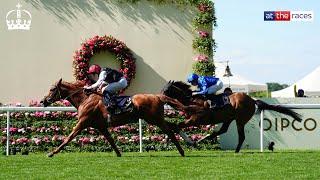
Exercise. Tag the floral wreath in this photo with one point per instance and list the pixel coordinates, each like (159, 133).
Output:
(105, 43)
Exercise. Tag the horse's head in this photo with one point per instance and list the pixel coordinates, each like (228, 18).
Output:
(73, 92)
(55, 94)
(178, 90)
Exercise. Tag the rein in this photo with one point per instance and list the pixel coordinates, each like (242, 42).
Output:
(71, 93)
(60, 97)
(81, 89)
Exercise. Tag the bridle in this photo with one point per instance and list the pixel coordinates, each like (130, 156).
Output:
(59, 94)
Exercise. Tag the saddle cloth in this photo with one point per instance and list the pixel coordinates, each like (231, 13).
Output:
(218, 101)
(124, 104)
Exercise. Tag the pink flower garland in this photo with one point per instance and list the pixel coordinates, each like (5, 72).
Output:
(106, 43)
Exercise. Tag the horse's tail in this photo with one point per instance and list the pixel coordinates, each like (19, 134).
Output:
(284, 110)
(172, 102)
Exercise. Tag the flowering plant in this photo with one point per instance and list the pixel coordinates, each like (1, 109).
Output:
(45, 133)
(206, 15)
(203, 68)
(97, 44)
(204, 43)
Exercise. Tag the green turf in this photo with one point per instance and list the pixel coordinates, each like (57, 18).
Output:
(164, 165)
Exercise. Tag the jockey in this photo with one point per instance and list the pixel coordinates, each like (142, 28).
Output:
(110, 81)
(206, 84)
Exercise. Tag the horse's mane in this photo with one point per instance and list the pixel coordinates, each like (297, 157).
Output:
(74, 85)
(178, 90)
(182, 85)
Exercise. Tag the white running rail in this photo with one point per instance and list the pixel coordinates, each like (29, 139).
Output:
(69, 109)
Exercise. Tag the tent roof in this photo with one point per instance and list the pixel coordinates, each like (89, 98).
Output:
(310, 84)
(237, 82)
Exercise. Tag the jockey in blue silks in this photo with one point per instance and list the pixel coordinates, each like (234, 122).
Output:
(206, 84)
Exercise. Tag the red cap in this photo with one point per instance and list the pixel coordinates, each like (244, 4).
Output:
(94, 69)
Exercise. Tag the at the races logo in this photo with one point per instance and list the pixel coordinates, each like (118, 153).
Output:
(288, 15)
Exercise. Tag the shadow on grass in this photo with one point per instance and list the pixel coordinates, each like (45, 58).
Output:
(276, 152)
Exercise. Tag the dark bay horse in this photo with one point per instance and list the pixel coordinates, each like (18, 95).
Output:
(92, 112)
(241, 109)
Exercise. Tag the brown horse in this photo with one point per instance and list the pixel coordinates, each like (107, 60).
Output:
(241, 108)
(92, 112)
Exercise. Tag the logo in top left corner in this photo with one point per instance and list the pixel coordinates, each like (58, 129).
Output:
(18, 19)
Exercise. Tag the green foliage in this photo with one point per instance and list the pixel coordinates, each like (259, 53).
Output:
(205, 17)
(259, 94)
(203, 68)
(203, 45)
(203, 20)
(273, 86)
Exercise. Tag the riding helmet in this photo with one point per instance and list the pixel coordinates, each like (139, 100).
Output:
(192, 77)
(94, 69)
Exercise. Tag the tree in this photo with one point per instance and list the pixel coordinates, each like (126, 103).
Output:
(273, 86)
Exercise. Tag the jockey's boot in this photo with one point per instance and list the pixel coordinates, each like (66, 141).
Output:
(113, 101)
(110, 102)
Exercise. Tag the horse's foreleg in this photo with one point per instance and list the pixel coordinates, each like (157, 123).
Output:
(214, 134)
(76, 130)
(177, 130)
(108, 136)
(165, 128)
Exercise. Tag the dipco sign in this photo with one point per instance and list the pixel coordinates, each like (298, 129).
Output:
(281, 124)
(284, 131)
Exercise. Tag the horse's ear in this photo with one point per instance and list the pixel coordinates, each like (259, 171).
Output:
(59, 82)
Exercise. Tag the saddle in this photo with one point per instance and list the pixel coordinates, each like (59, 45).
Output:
(123, 104)
(217, 101)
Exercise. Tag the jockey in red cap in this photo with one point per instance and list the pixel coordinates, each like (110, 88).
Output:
(109, 80)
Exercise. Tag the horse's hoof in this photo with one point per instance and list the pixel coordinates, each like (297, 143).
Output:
(50, 154)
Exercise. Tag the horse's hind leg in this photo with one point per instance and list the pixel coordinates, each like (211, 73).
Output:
(76, 130)
(166, 129)
(241, 136)
(214, 134)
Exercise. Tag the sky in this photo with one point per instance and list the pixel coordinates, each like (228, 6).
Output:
(267, 51)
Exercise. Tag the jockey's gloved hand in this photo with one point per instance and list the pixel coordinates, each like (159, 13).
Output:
(87, 91)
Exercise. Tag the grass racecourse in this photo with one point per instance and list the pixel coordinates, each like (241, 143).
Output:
(164, 165)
